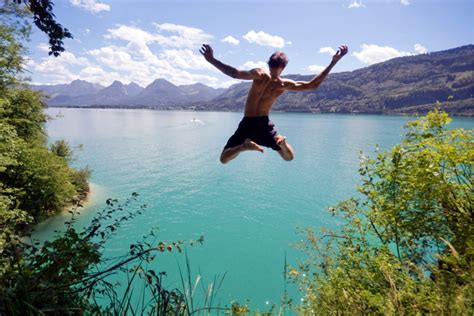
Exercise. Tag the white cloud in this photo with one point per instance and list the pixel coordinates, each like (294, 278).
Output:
(289, 43)
(185, 59)
(90, 5)
(58, 69)
(420, 49)
(405, 2)
(356, 4)
(183, 36)
(315, 68)
(113, 57)
(140, 67)
(328, 50)
(264, 39)
(96, 74)
(43, 47)
(231, 40)
(129, 33)
(251, 65)
(371, 54)
(138, 55)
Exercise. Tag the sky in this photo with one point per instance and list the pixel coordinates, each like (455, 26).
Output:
(144, 40)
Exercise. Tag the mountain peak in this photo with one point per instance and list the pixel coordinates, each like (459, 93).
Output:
(83, 84)
(116, 83)
(133, 84)
(79, 81)
(161, 82)
(133, 89)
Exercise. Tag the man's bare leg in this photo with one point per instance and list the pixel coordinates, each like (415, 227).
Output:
(286, 151)
(230, 153)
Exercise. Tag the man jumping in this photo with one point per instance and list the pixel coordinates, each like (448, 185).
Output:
(256, 129)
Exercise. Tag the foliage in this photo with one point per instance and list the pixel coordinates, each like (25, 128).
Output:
(43, 18)
(10, 215)
(43, 180)
(11, 54)
(69, 273)
(53, 277)
(34, 179)
(10, 145)
(34, 182)
(62, 149)
(22, 108)
(80, 180)
(407, 244)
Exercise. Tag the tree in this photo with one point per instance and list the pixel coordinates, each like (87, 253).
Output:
(22, 108)
(32, 178)
(62, 149)
(43, 18)
(11, 50)
(407, 246)
(11, 217)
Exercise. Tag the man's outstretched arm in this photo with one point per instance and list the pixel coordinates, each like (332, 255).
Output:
(317, 80)
(208, 53)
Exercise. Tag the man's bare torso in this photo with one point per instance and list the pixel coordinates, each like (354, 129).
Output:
(262, 95)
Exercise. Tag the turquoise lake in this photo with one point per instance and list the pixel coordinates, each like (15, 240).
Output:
(248, 210)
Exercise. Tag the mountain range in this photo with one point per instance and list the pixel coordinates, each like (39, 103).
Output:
(401, 85)
(160, 93)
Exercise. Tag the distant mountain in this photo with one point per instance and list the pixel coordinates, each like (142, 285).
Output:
(115, 94)
(74, 89)
(83, 93)
(160, 93)
(66, 93)
(200, 92)
(400, 85)
(133, 89)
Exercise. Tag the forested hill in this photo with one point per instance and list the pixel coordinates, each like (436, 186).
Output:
(400, 85)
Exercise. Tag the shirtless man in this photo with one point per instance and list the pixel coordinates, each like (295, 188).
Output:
(256, 129)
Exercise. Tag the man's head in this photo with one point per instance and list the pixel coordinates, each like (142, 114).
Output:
(277, 61)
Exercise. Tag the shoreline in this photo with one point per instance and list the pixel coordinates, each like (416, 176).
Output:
(84, 201)
(169, 109)
(44, 229)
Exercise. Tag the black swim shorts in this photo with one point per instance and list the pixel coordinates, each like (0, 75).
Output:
(258, 128)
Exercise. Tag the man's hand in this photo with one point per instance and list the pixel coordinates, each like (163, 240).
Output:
(343, 49)
(207, 52)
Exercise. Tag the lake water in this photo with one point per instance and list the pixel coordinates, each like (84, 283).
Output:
(247, 210)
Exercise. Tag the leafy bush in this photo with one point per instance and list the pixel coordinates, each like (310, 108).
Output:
(70, 275)
(407, 246)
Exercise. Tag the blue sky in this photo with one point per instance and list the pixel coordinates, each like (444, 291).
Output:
(144, 40)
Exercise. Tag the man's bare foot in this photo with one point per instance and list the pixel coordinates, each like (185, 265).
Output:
(251, 145)
(286, 151)
(280, 140)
